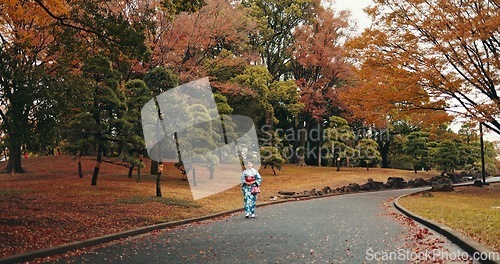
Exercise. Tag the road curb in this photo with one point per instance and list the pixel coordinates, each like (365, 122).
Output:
(47, 252)
(470, 246)
(61, 249)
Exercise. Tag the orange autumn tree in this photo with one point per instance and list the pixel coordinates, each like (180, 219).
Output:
(320, 66)
(382, 91)
(383, 95)
(444, 50)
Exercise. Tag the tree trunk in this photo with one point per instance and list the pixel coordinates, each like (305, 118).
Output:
(96, 115)
(80, 172)
(14, 163)
(384, 151)
(158, 185)
(130, 170)
(95, 173)
(178, 149)
(158, 177)
(240, 157)
(97, 164)
(139, 173)
(320, 137)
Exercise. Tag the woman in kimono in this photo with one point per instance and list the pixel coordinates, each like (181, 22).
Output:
(250, 178)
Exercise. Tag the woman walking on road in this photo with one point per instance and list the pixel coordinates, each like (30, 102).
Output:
(250, 180)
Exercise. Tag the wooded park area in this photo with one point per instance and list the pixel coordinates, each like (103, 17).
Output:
(74, 76)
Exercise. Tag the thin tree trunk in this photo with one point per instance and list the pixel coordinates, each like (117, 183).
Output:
(97, 164)
(240, 157)
(158, 177)
(95, 174)
(130, 170)
(139, 166)
(14, 163)
(158, 185)
(80, 172)
(177, 147)
(96, 115)
(384, 151)
(320, 137)
(139, 173)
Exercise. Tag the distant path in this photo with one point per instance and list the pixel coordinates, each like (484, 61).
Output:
(337, 229)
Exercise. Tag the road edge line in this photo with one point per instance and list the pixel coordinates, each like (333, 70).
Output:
(61, 249)
(95, 241)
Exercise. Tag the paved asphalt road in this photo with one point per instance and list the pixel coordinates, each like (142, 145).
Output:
(338, 229)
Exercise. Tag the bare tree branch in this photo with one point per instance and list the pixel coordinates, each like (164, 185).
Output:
(64, 22)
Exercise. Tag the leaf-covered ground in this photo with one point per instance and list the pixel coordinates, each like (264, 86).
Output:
(50, 205)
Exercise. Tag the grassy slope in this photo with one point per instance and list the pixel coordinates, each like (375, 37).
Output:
(471, 210)
(293, 178)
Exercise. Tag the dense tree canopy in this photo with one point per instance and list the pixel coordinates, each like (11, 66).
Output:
(75, 74)
(446, 50)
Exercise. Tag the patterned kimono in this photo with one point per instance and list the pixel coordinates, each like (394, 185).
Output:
(249, 199)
